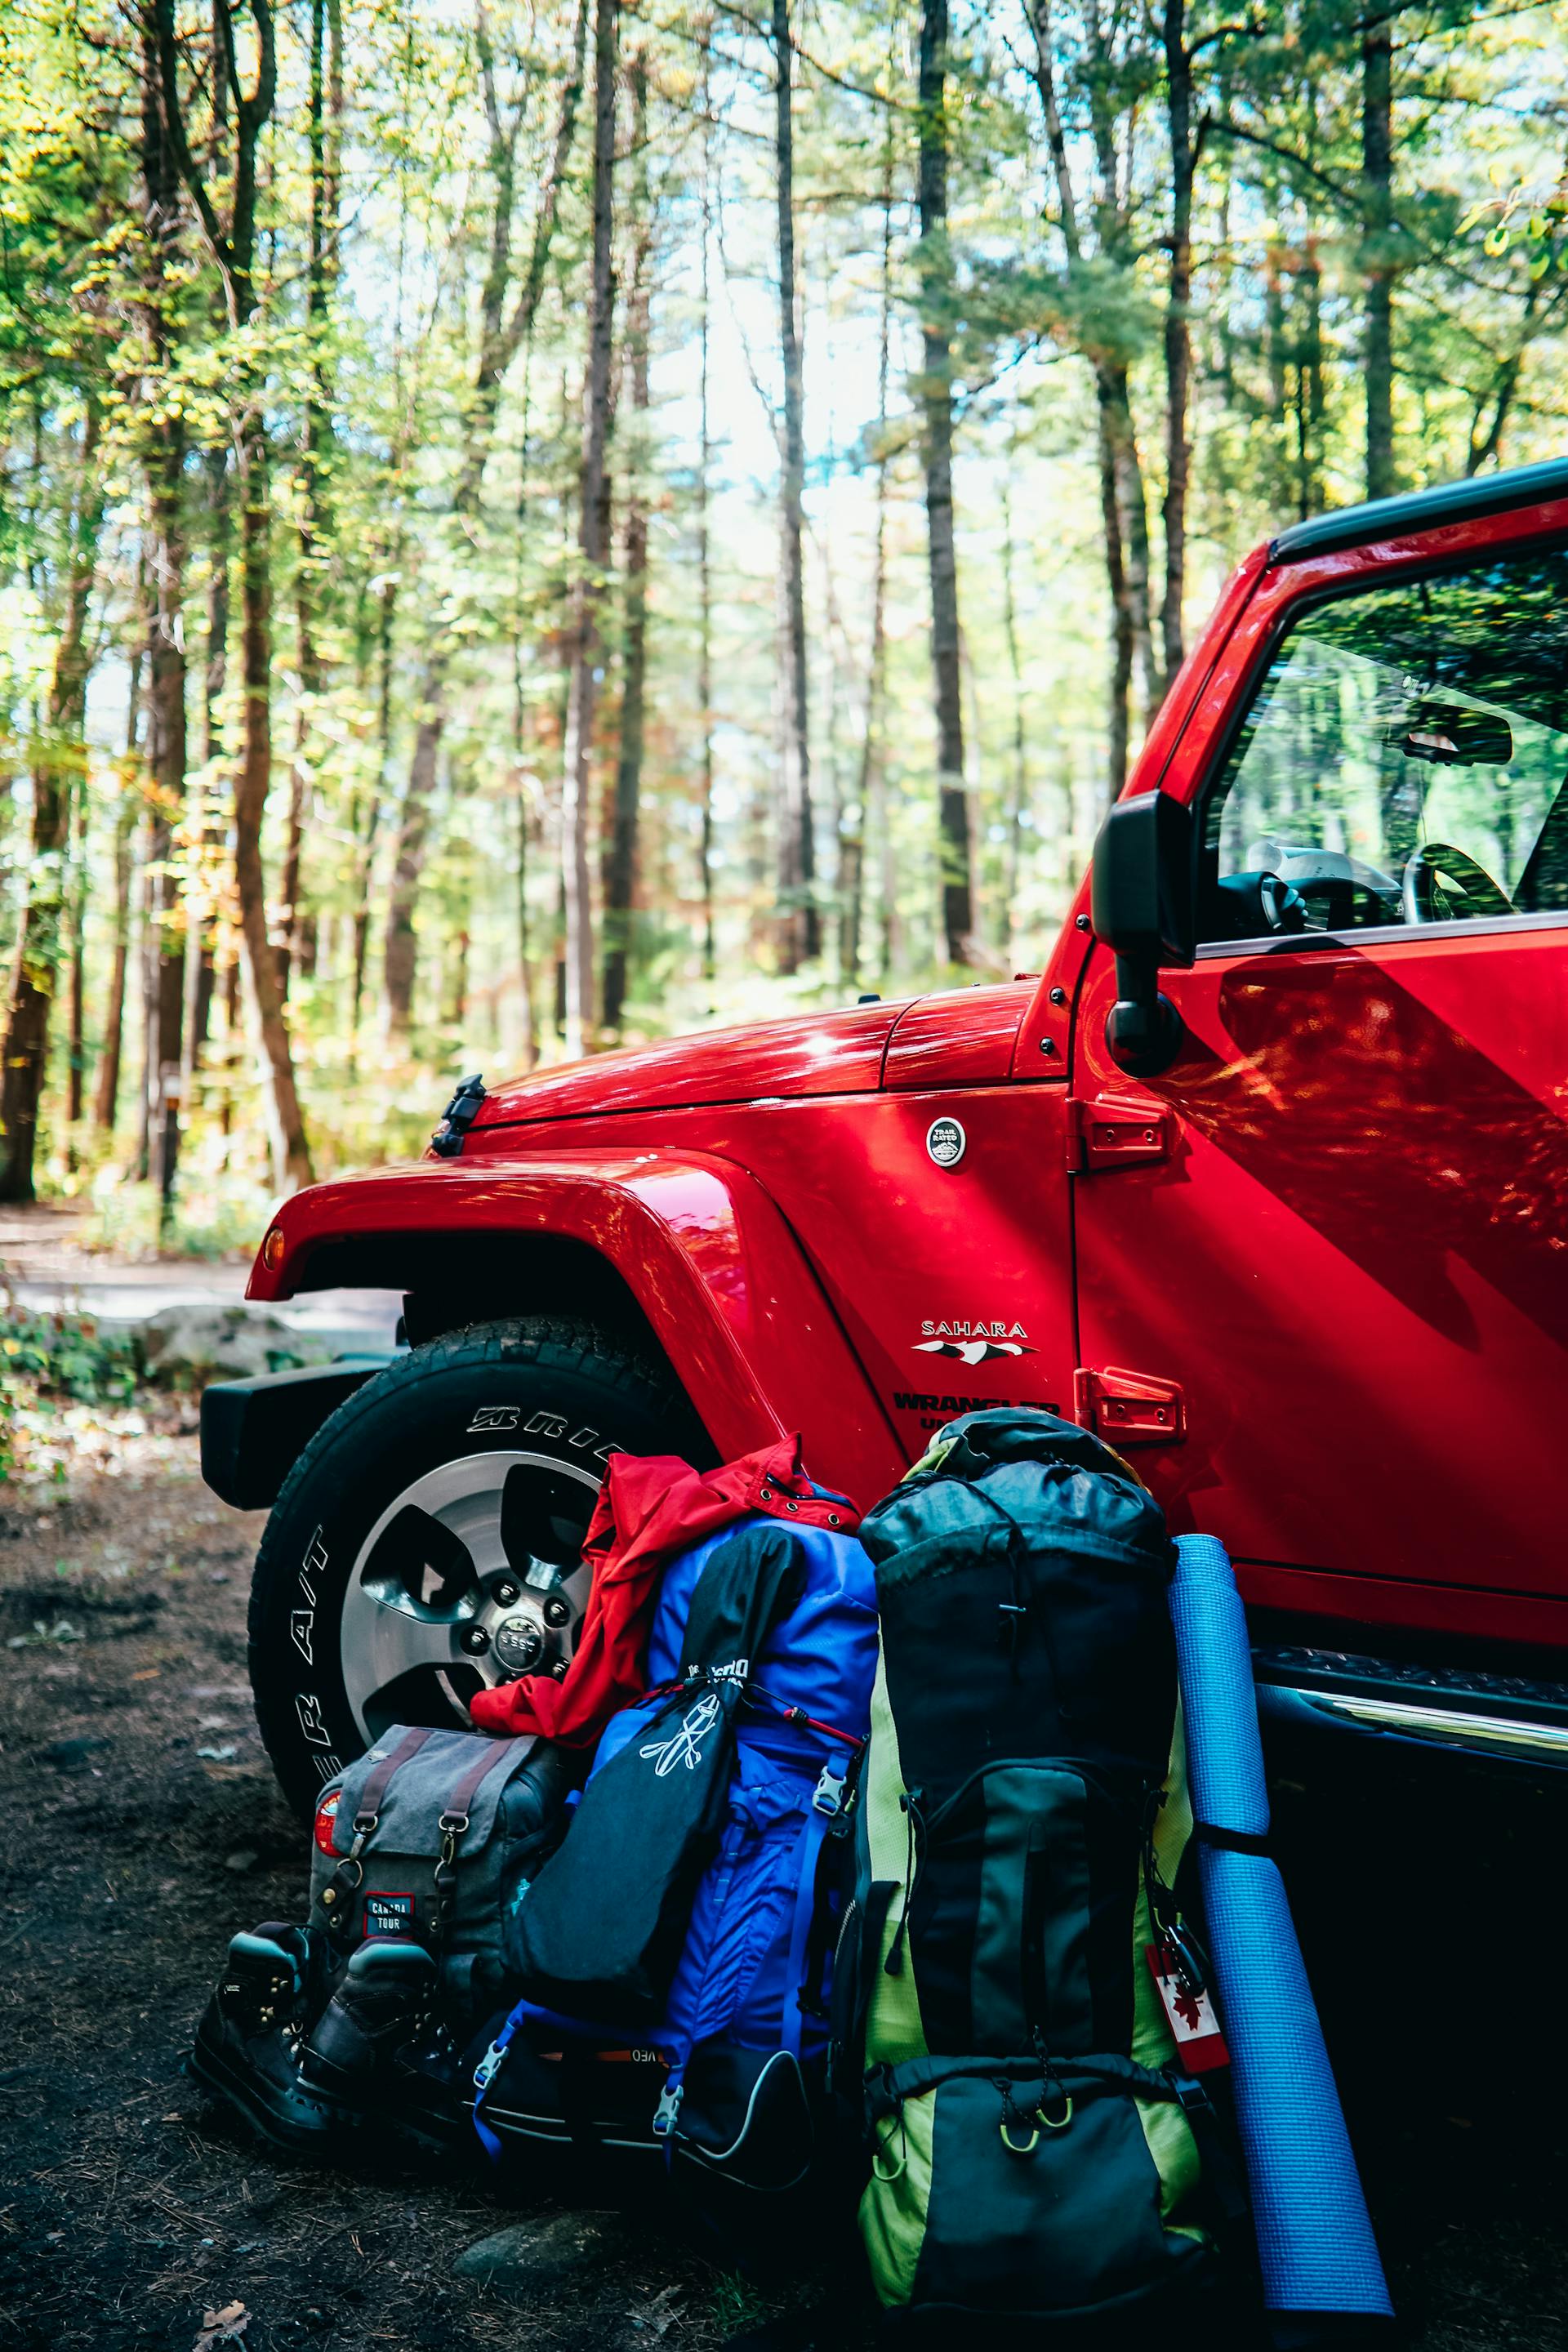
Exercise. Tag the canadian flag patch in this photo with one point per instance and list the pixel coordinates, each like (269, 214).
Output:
(1189, 2012)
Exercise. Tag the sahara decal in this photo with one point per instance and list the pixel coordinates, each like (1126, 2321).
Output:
(973, 1342)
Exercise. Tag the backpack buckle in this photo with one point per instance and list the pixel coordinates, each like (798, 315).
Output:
(827, 1797)
(669, 2107)
(489, 2066)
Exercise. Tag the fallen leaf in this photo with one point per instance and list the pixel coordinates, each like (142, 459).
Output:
(147, 1675)
(224, 2326)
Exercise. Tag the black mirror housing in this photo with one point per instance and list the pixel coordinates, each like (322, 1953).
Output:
(1143, 896)
(1142, 882)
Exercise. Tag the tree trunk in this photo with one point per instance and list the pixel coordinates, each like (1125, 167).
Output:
(1014, 853)
(593, 545)
(235, 252)
(75, 1041)
(871, 777)
(107, 1101)
(286, 1125)
(315, 510)
(203, 899)
(1122, 622)
(1123, 508)
(800, 936)
(402, 948)
(1377, 232)
(621, 858)
(501, 336)
(704, 542)
(1178, 330)
(59, 764)
(163, 941)
(936, 404)
(366, 849)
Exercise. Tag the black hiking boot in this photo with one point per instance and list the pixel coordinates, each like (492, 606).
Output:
(382, 2001)
(247, 2042)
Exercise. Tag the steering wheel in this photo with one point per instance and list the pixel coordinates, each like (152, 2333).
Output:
(1423, 898)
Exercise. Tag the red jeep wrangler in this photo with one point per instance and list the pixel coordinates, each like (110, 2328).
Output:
(1266, 1176)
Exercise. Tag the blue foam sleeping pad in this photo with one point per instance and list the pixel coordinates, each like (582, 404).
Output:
(1315, 2244)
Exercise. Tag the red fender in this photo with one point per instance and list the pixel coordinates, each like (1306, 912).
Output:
(704, 1251)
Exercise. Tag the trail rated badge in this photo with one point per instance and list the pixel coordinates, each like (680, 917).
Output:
(946, 1142)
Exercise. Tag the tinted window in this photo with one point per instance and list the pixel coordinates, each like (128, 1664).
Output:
(1404, 759)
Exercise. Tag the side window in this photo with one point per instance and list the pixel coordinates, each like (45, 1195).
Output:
(1404, 760)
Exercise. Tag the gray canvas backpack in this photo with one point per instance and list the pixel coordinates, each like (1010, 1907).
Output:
(431, 1838)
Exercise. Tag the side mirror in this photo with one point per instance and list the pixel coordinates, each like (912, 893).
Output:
(1141, 895)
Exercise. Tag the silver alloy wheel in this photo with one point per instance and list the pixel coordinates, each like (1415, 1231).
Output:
(469, 1576)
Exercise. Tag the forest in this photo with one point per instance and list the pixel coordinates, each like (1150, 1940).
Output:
(531, 525)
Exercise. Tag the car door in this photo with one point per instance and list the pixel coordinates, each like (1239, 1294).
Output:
(1335, 1243)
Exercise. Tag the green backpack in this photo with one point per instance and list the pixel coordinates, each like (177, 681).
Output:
(1023, 1814)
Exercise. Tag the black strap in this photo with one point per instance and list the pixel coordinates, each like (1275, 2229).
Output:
(834, 1872)
(1230, 1841)
(579, 2073)
(1223, 2188)
(886, 2087)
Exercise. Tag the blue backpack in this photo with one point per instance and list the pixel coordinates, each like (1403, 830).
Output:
(742, 2041)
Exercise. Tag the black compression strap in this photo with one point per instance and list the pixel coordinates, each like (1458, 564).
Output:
(1229, 1841)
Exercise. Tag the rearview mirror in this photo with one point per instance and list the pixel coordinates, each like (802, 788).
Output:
(1452, 736)
(1141, 897)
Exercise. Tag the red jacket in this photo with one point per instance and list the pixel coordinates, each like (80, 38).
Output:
(650, 1508)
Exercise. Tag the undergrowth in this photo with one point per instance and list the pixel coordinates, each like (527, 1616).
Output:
(53, 1360)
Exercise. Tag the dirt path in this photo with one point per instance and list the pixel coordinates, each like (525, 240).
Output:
(130, 2206)
(1430, 1898)
(44, 1266)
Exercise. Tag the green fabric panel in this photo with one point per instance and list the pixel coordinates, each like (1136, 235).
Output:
(1165, 2128)
(893, 2211)
(893, 2027)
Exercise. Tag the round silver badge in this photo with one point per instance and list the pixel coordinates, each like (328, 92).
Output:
(946, 1142)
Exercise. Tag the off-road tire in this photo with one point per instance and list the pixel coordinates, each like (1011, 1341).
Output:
(563, 1390)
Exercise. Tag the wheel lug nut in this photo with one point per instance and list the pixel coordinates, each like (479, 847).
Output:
(505, 1591)
(556, 1611)
(476, 1640)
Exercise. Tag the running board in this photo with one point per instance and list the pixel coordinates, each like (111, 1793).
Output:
(1502, 1716)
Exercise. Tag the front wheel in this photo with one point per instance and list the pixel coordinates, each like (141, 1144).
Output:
(425, 1543)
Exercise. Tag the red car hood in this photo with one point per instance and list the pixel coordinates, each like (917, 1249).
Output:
(809, 1054)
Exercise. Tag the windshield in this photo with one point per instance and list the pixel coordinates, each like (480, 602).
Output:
(1404, 758)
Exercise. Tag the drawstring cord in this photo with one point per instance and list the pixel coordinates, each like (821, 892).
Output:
(915, 1859)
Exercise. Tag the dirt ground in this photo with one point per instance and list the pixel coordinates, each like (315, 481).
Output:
(1430, 1895)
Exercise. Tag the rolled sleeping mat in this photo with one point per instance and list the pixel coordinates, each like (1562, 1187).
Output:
(1315, 2244)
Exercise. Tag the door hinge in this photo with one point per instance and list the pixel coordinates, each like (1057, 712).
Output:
(1130, 1408)
(1105, 1131)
